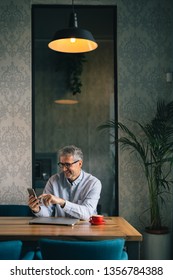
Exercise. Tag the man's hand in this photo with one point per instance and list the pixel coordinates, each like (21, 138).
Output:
(51, 199)
(34, 203)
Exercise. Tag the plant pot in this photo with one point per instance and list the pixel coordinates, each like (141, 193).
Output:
(157, 246)
(162, 230)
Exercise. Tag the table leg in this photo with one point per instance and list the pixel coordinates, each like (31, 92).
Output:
(133, 250)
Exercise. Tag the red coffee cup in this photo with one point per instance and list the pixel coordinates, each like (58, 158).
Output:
(97, 219)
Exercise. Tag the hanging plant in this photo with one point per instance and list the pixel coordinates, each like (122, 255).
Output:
(72, 66)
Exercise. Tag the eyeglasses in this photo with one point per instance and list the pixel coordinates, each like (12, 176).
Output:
(66, 164)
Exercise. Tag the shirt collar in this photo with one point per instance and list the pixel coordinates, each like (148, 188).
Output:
(78, 179)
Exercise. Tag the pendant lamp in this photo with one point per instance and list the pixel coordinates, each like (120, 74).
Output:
(73, 39)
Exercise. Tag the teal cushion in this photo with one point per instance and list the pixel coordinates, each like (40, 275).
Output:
(18, 250)
(15, 210)
(82, 250)
(10, 250)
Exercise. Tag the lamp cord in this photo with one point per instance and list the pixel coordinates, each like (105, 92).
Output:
(73, 5)
(73, 19)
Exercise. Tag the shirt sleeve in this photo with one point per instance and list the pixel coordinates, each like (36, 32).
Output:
(46, 211)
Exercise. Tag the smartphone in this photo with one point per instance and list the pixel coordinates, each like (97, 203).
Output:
(32, 192)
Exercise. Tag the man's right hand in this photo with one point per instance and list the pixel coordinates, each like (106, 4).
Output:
(34, 204)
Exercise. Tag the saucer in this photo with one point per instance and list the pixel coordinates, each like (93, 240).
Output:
(97, 223)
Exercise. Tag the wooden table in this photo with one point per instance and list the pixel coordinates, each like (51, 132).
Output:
(114, 227)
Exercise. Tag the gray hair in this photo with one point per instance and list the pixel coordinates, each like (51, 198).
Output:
(72, 151)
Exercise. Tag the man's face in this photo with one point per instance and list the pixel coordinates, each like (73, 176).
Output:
(73, 167)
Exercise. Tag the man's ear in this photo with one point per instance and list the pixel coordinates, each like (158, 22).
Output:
(80, 163)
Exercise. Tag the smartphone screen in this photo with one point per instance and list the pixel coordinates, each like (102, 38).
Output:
(32, 192)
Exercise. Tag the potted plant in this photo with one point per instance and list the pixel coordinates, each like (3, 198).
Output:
(154, 147)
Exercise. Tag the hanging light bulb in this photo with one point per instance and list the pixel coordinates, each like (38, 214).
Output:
(73, 39)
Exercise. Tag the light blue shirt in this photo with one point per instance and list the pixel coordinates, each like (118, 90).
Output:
(82, 196)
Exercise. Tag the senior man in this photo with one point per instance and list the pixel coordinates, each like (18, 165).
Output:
(70, 193)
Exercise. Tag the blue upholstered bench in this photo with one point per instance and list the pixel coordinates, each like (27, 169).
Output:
(82, 250)
(15, 210)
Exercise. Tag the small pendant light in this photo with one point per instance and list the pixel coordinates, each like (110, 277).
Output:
(73, 39)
